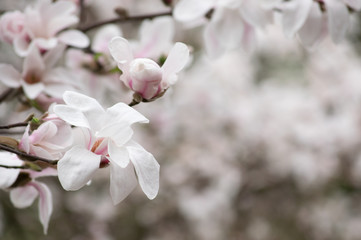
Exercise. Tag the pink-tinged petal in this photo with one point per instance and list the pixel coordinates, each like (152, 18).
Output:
(47, 172)
(59, 23)
(22, 46)
(23, 197)
(338, 19)
(294, 15)
(120, 50)
(212, 42)
(71, 115)
(119, 133)
(176, 60)
(74, 38)
(77, 167)
(89, 106)
(24, 143)
(314, 29)
(9, 76)
(103, 37)
(45, 203)
(32, 90)
(33, 63)
(190, 10)
(41, 152)
(8, 176)
(122, 182)
(147, 169)
(255, 14)
(355, 4)
(118, 154)
(52, 56)
(121, 112)
(45, 43)
(155, 37)
(47, 129)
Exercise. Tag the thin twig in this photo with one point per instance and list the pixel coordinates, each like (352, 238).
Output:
(124, 19)
(5, 94)
(13, 167)
(82, 11)
(21, 124)
(27, 156)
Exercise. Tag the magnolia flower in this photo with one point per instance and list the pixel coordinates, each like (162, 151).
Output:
(12, 26)
(50, 140)
(24, 196)
(44, 21)
(313, 20)
(104, 138)
(38, 74)
(144, 76)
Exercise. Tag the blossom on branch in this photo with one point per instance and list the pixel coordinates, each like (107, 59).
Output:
(103, 137)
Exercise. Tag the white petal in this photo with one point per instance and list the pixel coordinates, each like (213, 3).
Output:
(294, 14)
(71, 115)
(103, 37)
(9, 76)
(23, 197)
(122, 182)
(33, 63)
(176, 60)
(45, 204)
(74, 38)
(77, 167)
(190, 10)
(147, 169)
(21, 46)
(338, 19)
(32, 90)
(119, 133)
(121, 112)
(314, 28)
(52, 56)
(8, 176)
(45, 44)
(120, 49)
(118, 154)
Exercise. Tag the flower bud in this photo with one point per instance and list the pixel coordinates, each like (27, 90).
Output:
(11, 26)
(145, 77)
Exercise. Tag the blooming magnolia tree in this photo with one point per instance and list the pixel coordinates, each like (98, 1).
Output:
(69, 66)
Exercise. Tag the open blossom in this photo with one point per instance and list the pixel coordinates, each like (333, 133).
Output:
(38, 74)
(40, 25)
(24, 196)
(50, 140)
(103, 137)
(313, 20)
(143, 75)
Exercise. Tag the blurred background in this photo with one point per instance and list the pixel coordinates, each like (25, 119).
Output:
(261, 144)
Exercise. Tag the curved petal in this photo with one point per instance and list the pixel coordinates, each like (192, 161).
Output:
(45, 203)
(176, 60)
(118, 154)
(294, 15)
(71, 115)
(9, 76)
(46, 43)
(120, 133)
(120, 50)
(103, 37)
(77, 167)
(121, 112)
(23, 197)
(338, 19)
(32, 90)
(52, 56)
(21, 46)
(190, 10)
(33, 63)
(122, 182)
(74, 38)
(147, 169)
(8, 176)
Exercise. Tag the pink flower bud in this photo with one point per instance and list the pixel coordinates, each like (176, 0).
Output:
(145, 77)
(11, 26)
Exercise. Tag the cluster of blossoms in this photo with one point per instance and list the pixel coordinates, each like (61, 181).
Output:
(67, 77)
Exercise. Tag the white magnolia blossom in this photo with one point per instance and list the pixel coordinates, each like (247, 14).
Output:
(104, 137)
(143, 75)
(38, 75)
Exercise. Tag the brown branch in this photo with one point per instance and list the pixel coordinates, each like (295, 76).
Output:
(14, 167)
(21, 124)
(124, 19)
(26, 156)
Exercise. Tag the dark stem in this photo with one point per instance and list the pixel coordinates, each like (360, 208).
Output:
(13, 167)
(82, 11)
(28, 157)
(124, 19)
(21, 124)
(133, 103)
(5, 94)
